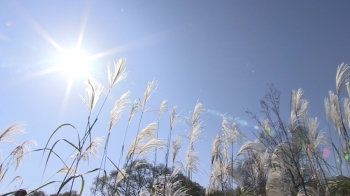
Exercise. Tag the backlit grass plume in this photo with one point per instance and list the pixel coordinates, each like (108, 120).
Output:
(92, 149)
(14, 129)
(196, 125)
(92, 91)
(119, 73)
(177, 142)
(21, 150)
(119, 107)
(137, 144)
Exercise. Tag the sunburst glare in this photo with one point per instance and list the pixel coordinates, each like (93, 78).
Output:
(74, 63)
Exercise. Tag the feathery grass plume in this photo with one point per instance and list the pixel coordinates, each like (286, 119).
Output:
(327, 108)
(145, 147)
(195, 121)
(136, 104)
(334, 112)
(283, 157)
(70, 170)
(346, 105)
(236, 134)
(146, 95)
(274, 184)
(315, 138)
(120, 176)
(177, 142)
(92, 150)
(192, 160)
(92, 94)
(147, 133)
(119, 73)
(173, 117)
(162, 107)
(310, 191)
(256, 147)
(341, 77)
(215, 148)
(13, 129)
(119, 107)
(225, 130)
(218, 175)
(169, 187)
(299, 107)
(348, 88)
(21, 150)
(263, 161)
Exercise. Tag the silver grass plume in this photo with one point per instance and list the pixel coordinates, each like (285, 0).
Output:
(119, 107)
(120, 176)
(236, 134)
(262, 162)
(346, 105)
(282, 157)
(92, 94)
(177, 142)
(266, 127)
(215, 148)
(316, 138)
(13, 129)
(92, 150)
(173, 117)
(70, 170)
(170, 185)
(218, 175)
(133, 110)
(299, 107)
(327, 108)
(162, 107)
(119, 73)
(256, 147)
(214, 178)
(348, 88)
(192, 160)
(195, 120)
(334, 112)
(274, 184)
(21, 150)
(147, 133)
(145, 147)
(310, 191)
(225, 131)
(341, 77)
(146, 95)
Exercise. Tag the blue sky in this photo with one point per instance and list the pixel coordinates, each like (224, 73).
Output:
(221, 53)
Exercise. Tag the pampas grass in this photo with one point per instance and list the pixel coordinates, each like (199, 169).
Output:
(291, 153)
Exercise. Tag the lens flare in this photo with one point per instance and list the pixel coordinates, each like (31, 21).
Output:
(270, 131)
(326, 152)
(347, 157)
(237, 120)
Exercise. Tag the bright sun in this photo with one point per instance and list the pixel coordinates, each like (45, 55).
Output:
(74, 63)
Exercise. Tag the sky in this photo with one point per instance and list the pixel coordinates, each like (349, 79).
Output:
(224, 54)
